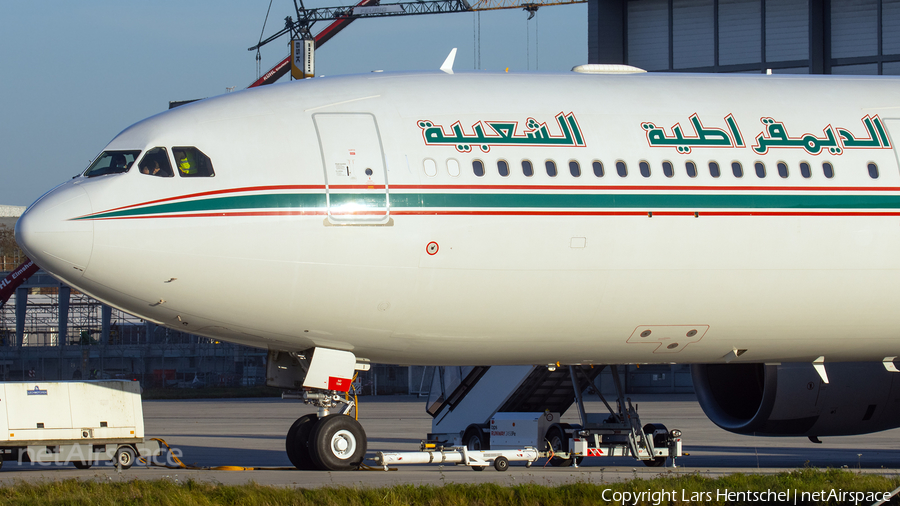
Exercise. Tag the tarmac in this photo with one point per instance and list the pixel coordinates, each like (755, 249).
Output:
(250, 433)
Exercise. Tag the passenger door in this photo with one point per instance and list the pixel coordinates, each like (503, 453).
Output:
(355, 177)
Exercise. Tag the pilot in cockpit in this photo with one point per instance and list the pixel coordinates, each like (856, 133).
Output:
(118, 163)
(150, 167)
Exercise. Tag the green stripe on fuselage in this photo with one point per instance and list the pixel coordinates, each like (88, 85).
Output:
(232, 203)
(521, 201)
(642, 201)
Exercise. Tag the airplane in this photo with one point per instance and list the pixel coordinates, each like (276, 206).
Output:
(747, 225)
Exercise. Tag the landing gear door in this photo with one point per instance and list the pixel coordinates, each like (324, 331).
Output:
(355, 178)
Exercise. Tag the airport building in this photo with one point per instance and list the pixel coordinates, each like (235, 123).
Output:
(753, 36)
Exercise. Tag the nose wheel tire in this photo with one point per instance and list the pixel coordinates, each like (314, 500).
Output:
(296, 444)
(337, 443)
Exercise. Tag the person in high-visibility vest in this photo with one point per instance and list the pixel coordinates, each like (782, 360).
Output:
(185, 163)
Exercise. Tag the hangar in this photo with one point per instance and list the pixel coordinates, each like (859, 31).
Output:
(859, 37)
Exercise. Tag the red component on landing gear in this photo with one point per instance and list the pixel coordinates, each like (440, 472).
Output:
(339, 384)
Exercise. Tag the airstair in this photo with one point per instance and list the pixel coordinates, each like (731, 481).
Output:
(513, 407)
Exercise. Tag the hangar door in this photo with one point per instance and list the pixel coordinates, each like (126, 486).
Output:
(355, 178)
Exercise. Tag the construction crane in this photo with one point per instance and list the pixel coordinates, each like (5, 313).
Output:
(343, 16)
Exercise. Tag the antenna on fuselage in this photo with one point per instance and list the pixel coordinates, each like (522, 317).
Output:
(448, 63)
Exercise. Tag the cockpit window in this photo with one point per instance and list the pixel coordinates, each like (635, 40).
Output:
(191, 162)
(112, 162)
(156, 163)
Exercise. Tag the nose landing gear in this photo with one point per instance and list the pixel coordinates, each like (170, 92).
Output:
(326, 441)
(322, 440)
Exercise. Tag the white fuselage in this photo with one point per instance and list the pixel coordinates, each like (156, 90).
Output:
(292, 245)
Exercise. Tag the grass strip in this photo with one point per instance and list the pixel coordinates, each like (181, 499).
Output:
(666, 489)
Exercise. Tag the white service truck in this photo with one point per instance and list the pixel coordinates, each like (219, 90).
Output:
(78, 422)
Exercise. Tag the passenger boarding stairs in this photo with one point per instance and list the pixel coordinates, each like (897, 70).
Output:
(461, 397)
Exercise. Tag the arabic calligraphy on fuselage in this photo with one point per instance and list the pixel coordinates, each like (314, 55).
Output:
(504, 133)
(704, 137)
(774, 135)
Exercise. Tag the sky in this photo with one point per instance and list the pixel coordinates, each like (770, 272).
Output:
(74, 74)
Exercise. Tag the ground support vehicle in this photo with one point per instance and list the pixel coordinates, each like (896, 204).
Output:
(618, 433)
(78, 422)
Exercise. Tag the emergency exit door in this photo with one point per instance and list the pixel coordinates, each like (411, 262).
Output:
(355, 178)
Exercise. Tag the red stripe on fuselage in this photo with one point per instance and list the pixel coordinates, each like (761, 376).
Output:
(513, 213)
(251, 189)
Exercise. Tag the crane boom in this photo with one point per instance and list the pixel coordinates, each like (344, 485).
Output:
(284, 66)
(343, 16)
(492, 5)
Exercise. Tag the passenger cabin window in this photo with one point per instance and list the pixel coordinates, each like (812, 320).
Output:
(760, 169)
(503, 168)
(645, 168)
(691, 168)
(668, 169)
(112, 162)
(430, 167)
(828, 170)
(156, 163)
(621, 169)
(191, 162)
(714, 169)
(527, 168)
(574, 169)
(873, 170)
(478, 168)
(736, 169)
(598, 168)
(782, 170)
(453, 167)
(805, 171)
(551, 168)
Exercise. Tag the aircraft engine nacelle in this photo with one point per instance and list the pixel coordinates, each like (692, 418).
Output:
(792, 400)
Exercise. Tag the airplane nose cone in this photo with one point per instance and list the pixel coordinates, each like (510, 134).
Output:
(49, 234)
